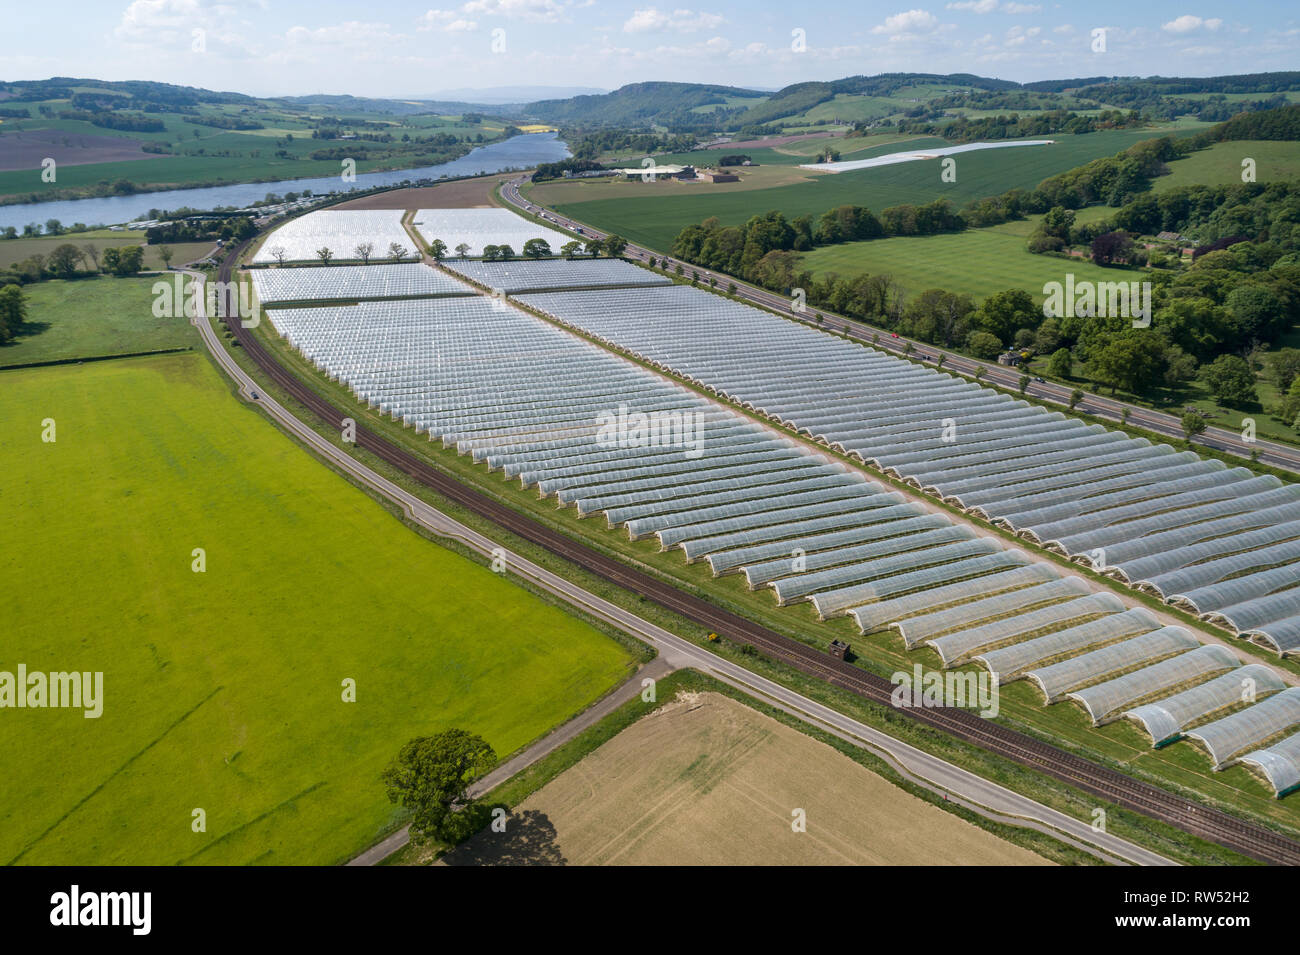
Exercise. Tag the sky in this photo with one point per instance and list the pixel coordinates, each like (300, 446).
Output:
(411, 49)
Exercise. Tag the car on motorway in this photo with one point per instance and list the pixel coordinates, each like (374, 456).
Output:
(1039, 380)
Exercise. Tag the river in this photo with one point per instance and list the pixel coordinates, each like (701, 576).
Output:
(518, 152)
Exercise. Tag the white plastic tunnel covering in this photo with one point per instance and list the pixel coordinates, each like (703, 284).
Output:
(1226, 738)
(1279, 764)
(1104, 700)
(1164, 719)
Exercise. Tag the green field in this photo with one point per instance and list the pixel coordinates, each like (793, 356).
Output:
(977, 262)
(655, 222)
(222, 690)
(90, 317)
(15, 250)
(1220, 165)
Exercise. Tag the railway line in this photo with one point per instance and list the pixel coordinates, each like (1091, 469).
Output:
(1102, 782)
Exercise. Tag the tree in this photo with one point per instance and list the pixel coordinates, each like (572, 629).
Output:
(1231, 380)
(1075, 397)
(1060, 364)
(397, 251)
(324, 253)
(166, 253)
(1256, 311)
(537, 248)
(1110, 247)
(13, 311)
(594, 247)
(1132, 360)
(279, 253)
(53, 227)
(1002, 313)
(615, 245)
(364, 251)
(1192, 424)
(1284, 367)
(491, 253)
(1023, 383)
(505, 253)
(463, 249)
(983, 345)
(112, 256)
(432, 775)
(64, 259)
(438, 249)
(570, 250)
(91, 251)
(130, 259)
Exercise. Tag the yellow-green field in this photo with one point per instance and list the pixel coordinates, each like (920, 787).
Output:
(223, 690)
(977, 262)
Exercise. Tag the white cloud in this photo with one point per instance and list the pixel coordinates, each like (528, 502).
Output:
(654, 20)
(907, 22)
(537, 11)
(989, 6)
(1187, 23)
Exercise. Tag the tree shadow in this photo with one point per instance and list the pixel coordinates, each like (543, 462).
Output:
(26, 329)
(529, 839)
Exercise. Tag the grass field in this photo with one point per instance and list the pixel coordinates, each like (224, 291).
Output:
(90, 317)
(222, 690)
(15, 250)
(1220, 165)
(655, 221)
(977, 262)
(705, 780)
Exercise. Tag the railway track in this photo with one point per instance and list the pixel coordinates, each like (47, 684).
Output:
(1104, 783)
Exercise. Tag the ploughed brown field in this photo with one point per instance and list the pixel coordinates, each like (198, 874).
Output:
(705, 780)
(26, 148)
(461, 194)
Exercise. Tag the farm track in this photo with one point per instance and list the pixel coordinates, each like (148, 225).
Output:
(1106, 784)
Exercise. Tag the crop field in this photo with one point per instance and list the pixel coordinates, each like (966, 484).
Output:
(705, 780)
(92, 317)
(1220, 165)
(655, 222)
(223, 690)
(977, 262)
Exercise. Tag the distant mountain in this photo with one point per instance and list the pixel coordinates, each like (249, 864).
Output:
(392, 107)
(637, 104)
(503, 95)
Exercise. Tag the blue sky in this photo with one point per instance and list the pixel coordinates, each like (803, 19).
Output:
(402, 49)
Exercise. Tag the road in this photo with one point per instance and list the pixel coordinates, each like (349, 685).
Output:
(1220, 439)
(989, 799)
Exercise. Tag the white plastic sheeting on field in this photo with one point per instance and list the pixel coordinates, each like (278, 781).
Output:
(341, 231)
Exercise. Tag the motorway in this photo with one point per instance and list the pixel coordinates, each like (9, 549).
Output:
(1219, 439)
(1108, 785)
